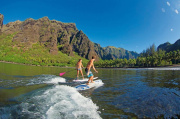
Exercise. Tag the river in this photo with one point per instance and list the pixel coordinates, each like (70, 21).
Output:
(39, 92)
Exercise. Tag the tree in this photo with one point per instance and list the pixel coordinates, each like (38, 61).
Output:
(175, 56)
(153, 50)
(161, 55)
(125, 62)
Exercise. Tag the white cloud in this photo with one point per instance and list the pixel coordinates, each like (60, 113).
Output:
(172, 29)
(163, 10)
(176, 11)
(168, 4)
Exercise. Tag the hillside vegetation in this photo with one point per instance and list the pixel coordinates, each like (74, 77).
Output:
(36, 55)
(151, 57)
(49, 42)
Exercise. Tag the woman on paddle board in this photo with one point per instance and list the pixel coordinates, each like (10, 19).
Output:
(79, 67)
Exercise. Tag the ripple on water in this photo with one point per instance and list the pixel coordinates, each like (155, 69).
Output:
(149, 102)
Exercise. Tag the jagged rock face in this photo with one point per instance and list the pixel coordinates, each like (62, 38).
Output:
(82, 45)
(170, 47)
(52, 34)
(176, 45)
(164, 46)
(99, 50)
(1, 21)
(120, 53)
(111, 52)
(57, 36)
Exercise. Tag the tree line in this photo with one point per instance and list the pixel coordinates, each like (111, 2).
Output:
(151, 57)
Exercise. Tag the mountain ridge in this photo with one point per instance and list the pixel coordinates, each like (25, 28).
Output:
(58, 36)
(169, 47)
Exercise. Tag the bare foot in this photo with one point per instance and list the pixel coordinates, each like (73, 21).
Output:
(92, 81)
(87, 83)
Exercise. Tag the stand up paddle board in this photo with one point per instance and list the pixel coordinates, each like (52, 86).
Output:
(97, 83)
(83, 80)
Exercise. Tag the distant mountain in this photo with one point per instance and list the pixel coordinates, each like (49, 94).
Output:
(170, 47)
(57, 36)
(111, 52)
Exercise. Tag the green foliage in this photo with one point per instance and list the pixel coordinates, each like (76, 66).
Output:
(36, 55)
(148, 58)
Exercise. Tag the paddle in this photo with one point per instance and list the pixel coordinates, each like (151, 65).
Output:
(61, 74)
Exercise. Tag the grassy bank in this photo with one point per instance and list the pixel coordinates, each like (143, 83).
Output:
(36, 55)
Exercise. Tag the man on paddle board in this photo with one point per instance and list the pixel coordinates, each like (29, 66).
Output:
(79, 67)
(88, 70)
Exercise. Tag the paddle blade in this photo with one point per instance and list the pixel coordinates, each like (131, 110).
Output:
(60, 74)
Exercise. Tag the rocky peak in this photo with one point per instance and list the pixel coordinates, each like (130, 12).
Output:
(44, 19)
(54, 35)
(164, 46)
(177, 42)
(170, 47)
(11, 24)
(1, 21)
(58, 36)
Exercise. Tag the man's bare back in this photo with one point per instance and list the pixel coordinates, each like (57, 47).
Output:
(90, 64)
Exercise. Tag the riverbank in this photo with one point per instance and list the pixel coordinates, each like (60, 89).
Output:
(35, 65)
(174, 65)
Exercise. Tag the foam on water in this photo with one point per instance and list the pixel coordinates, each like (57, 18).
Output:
(30, 80)
(177, 68)
(96, 84)
(56, 80)
(54, 103)
(46, 79)
(83, 80)
(73, 104)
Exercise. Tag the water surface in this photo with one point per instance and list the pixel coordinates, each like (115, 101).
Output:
(38, 92)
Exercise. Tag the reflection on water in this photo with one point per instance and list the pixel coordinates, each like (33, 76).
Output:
(126, 93)
(139, 93)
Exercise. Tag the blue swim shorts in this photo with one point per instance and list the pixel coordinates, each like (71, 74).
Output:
(90, 73)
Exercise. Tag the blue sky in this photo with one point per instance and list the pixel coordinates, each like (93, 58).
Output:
(130, 24)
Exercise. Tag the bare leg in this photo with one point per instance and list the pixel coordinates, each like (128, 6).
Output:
(90, 78)
(82, 74)
(77, 74)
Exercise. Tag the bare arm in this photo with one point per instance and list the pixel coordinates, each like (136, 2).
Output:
(94, 69)
(82, 65)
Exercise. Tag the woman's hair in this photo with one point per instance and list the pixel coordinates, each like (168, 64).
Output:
(80, 59)
(93, 57)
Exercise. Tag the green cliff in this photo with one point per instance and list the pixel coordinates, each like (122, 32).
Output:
(111, 52)
(54, 35)
(170, 47)
(49, 42)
